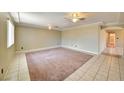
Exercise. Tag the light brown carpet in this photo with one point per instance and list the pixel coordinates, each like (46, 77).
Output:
(54, 64)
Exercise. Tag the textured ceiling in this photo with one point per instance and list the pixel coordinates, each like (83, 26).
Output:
(42, 19)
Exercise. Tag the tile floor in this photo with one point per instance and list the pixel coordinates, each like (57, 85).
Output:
(114, 51)
(18, 70)
(99, 68)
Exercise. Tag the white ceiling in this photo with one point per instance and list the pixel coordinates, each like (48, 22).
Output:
(42, 19)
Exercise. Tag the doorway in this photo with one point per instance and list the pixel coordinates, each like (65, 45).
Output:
(111, 40)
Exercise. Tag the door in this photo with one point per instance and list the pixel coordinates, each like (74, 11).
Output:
(111, 40)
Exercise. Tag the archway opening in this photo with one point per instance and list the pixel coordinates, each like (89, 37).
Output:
(111, 40)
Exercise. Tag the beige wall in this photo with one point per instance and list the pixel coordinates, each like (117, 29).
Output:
(103, 38)
(6, 54)
(33, 38)
(82, 37)
(123, 42)
(119, 41)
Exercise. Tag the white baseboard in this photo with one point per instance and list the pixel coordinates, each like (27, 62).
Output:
(81, 50)
(38, 49)
(76, 49)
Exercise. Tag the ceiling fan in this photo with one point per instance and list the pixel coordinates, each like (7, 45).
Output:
(76, 16)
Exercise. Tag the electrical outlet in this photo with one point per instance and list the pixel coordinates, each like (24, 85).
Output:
(2, 70)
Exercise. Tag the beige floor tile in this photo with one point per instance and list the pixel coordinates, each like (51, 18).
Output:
(91, 73)
(122, 77)
(100, 77)
(103, 73)
(11, 76)
(114, 76)
(86, 78)
(24, 77)
(106, 69)
(74, 77)
(121, 68)
(114, 72)
(122, 73)
(82, 69)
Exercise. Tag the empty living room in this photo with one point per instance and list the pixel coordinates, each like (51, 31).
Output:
(61, 46)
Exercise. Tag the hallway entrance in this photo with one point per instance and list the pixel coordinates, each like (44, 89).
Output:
(111, 40)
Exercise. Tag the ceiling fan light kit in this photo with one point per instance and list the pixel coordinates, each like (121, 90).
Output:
(76, 16)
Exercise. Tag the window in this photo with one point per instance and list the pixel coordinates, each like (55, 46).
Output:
(10, 33)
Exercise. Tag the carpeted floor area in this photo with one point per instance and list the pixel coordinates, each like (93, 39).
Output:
(54, 64)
